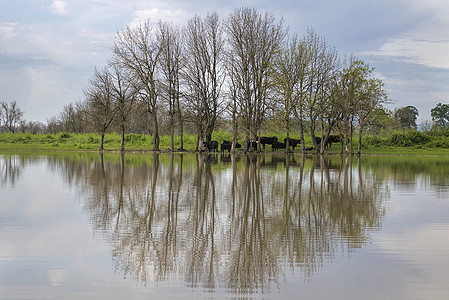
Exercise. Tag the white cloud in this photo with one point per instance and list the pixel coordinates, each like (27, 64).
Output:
(7, 29)
(423, 34)
(156, 14)
(432, 53)
(59, 7)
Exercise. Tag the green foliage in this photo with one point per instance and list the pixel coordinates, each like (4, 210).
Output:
(407, 117)
(134, 138)
(402, 142)
(440, 115)
(64, 135)
(408, 139)
(375, 140)
(221, 135)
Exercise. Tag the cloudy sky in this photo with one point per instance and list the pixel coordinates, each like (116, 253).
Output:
(49, 48)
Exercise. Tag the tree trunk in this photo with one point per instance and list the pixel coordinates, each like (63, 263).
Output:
(359, 147)
(122, 142)
(155, 133)
(172, 136)
(101, 142)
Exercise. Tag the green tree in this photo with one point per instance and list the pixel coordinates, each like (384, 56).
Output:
(289, 74)
(406, 117)
(440, 115)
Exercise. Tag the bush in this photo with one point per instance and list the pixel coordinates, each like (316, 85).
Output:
(375, 141)
(64, 135)
(408, 139)
(134, 138)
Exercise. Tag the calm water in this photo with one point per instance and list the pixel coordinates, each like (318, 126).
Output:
(144, 226)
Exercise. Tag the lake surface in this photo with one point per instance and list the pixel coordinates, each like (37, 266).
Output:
(144, 226)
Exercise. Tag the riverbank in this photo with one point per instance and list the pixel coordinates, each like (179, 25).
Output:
(144, 143)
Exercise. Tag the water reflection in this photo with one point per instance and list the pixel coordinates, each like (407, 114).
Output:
(238, 222)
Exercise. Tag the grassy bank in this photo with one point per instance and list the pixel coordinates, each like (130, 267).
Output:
(397, 143)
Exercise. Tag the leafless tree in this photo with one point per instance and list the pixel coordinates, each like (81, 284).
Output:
(171, 63)
(253, 40)
(323, 65)
(71, 117)
(124, 96)
(204, 72)
(11, 115)
(100, 110)
(137, 50)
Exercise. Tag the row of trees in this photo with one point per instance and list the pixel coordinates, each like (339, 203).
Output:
(245, 69)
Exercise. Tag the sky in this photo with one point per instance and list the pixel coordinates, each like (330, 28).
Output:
(49, 48)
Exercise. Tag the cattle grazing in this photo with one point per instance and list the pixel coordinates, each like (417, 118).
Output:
(292, 142)
(211, 146)
(333, 138)
(270, 140)
(227, 145)
(249, 144)
(278, 145)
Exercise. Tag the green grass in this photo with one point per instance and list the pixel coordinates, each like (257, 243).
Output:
(396, 143)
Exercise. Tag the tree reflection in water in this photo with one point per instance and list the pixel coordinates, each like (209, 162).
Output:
(242, 223)
(239, 223)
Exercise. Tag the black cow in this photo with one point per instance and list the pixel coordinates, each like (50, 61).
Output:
(211, 146)
(270, 140)
(292, 142)
(227, 145)
(251, 144)
(278, 145)
(334, 138)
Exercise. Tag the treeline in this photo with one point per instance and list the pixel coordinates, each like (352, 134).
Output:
(245, 70)
(245, 73)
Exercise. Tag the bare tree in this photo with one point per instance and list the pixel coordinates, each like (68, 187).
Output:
(321, 68)
(254, 38)
(137, 50)
(11, 115)
(171, 62)
(100, 109)
(124, 96)
(289, 72)
(71, 117)
(204, 72)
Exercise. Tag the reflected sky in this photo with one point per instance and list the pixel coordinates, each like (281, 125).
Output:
(176, 226)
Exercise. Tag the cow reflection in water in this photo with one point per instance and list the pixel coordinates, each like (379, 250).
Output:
(239, 225)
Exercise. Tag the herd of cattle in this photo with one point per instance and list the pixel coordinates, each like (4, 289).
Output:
(273, 141)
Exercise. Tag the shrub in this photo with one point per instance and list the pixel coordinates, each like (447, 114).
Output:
(408, 139)
(374, 140)
(64, 135)
(92, 140)
(134, 138)
(418, 138)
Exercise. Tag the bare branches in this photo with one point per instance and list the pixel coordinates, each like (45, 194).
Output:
(253, 39)
(11, 115)
(204, 72)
